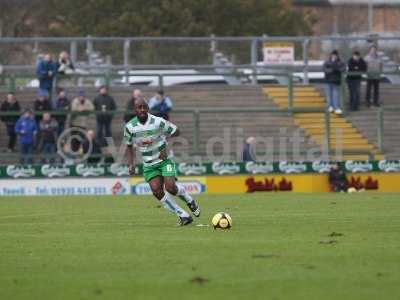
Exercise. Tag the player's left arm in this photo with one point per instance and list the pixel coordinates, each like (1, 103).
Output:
(169, 129)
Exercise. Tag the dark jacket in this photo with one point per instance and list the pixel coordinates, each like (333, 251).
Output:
(40, 106)
(26, 129)
(104, 103)
(333, 71)
(130, 112)
(43, 70)
(63, 66)
(247, 153)
(48, 131)
(62, 105)
(95, 154)
(356, 66)
(10, 107)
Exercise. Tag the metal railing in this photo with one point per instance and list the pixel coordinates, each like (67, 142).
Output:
(247, 50)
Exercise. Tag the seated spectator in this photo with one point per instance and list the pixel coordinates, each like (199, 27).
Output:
(130, 105)
(333, 69)
(64, 66)
(10, 105)
(46, 71)
(26, 129)
(248, 149)
(80, 108)
(41, 104)
(104, 105)
(62, 105)
(92, 148)
(48, 138)
(337, 179)
(160, 105)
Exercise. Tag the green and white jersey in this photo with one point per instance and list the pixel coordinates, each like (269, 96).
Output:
(149, 138)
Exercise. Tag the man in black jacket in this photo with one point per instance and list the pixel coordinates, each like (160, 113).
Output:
(10, 105)
(337, 179)
(41, 104)
(130, 105)
(104, 106)
(355, 64)
(333, 69)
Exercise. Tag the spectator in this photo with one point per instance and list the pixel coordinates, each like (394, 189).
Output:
(375, 67)
(80, 108)
(64, 66)
(26, 129)
(48, 138)
(333, 69)
(92, 148)
(337, 179)
(41, 104)
(355, 64)
(248, 149)
(130, 106)
(46, 71)
(62, 105)
(10, 105)
(160, 105)
(104, 105)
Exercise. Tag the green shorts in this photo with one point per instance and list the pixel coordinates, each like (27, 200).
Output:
(165, 168)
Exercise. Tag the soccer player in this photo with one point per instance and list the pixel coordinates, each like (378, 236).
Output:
(149, 134)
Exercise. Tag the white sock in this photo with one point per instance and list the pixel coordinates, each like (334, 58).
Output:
(183, 194)
(170, 204)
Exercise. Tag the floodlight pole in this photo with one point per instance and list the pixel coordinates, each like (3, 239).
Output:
(370, 16)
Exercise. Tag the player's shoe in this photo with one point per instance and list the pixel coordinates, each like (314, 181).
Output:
(194, 208)
(183, 221)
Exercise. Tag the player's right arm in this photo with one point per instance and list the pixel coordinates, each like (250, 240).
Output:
(128, 139)
(131, 159)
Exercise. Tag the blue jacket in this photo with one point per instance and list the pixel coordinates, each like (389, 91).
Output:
(26, 129)
(42, 70)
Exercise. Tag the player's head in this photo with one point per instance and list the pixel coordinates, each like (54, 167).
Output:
(141, 109)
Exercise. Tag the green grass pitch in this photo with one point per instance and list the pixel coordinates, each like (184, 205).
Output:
(281, 246)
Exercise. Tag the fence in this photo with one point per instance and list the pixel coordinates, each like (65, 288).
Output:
(135, 53)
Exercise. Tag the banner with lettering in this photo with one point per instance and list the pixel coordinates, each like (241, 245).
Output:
(196, 169)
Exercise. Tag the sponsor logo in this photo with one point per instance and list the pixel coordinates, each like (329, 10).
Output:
(322, 166)
(192, 187)
(119, 170)
(389, 166)
(86, 170)
(55, 171)
(292, 167)
(259, 168)
(20, 171)
(358, 166)
(225, 168)
(118, 189)
(192, 169)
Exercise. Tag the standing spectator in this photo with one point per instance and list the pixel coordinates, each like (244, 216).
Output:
(248, 149)
(62, 105)
(64, 67)
(10, 105)
(375, 67)
(46, 71)
(355, 64)
(130, 105)
(160, 105)
(26, 129)
(333, 69)
(80, 108)
(104, 105)
(48, 138)
(41, 104)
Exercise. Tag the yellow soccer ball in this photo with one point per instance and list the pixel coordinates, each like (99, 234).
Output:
(222, 221)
